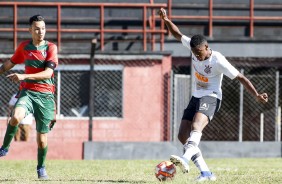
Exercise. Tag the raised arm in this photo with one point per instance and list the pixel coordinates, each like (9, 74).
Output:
(171, 26)
(263, 98)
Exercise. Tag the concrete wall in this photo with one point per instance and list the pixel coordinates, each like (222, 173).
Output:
(231, 49)
(162, 150)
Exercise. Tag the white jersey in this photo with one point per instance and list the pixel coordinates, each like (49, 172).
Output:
(208, 74)
(28, 119)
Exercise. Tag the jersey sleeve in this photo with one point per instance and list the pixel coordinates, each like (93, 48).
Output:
(52, 55)
(226, 68)
(186, 41)
(18, 56)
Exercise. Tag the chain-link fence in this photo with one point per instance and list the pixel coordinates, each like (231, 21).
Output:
(73, 85)
(7, 90)
(137, 90)
(241, 117)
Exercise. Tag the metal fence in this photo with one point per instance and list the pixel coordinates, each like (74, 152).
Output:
(133, 87)
(73, 91)
(241, 117)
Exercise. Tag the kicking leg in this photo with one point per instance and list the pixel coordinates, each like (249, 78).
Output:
(191, 147)
(193, 152)
(183, 134)
(199, 123)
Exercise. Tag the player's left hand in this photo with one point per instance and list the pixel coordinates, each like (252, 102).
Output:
(263, 98)
(51, 125)
(16, 77)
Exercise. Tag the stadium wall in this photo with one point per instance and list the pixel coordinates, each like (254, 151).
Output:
(142, 121)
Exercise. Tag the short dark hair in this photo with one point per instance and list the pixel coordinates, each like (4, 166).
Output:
(35, 18)
(197, 40)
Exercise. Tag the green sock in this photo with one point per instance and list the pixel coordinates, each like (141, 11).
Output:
(10, 133)
(41, 156)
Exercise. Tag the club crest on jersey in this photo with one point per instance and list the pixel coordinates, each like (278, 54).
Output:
(207, 69)
(44, 53)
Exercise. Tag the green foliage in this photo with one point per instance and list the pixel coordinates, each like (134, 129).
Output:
(235, 171)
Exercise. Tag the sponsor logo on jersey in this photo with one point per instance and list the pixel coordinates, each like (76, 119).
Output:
(201, 77)
(204, 106)
(207, 69)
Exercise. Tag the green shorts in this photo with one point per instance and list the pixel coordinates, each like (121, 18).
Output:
(41, 105)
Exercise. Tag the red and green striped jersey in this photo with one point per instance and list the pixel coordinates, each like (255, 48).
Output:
(35, 59)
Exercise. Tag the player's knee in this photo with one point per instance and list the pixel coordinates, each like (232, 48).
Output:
(17, 117)
(41, 140)
(199, 125)
(41, 144)
(15, 120)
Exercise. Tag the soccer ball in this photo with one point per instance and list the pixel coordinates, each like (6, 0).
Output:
(165, 171)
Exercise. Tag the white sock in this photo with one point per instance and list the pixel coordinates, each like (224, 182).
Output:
(200, 162)
(195, 136)
(192, 147)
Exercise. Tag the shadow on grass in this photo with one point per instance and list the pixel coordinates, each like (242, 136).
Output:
(111, 181)
(80, 180)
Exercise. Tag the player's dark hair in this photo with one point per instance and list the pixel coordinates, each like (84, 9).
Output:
(197, 40)
(35, 18)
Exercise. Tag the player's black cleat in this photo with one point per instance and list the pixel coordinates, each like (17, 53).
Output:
(3, 152)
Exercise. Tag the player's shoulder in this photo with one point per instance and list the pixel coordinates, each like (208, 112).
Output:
(24, 43)
(51, 44)
(218, 56)
(185, 38)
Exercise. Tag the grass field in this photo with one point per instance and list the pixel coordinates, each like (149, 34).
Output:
(229, 171)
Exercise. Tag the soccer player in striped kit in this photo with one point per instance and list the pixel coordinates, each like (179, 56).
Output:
(37, 96)
(209, 67)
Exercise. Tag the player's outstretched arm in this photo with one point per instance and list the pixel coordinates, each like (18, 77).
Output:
(46, 74)
(171, 26)
(6, 66)
(263, 98)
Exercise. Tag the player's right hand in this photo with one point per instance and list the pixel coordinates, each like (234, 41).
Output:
(263, 98)
(162, 13)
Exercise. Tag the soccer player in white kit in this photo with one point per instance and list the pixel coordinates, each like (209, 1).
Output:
(209, 66)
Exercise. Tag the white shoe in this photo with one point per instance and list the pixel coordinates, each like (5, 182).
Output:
(178, 161)
(202, 178)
